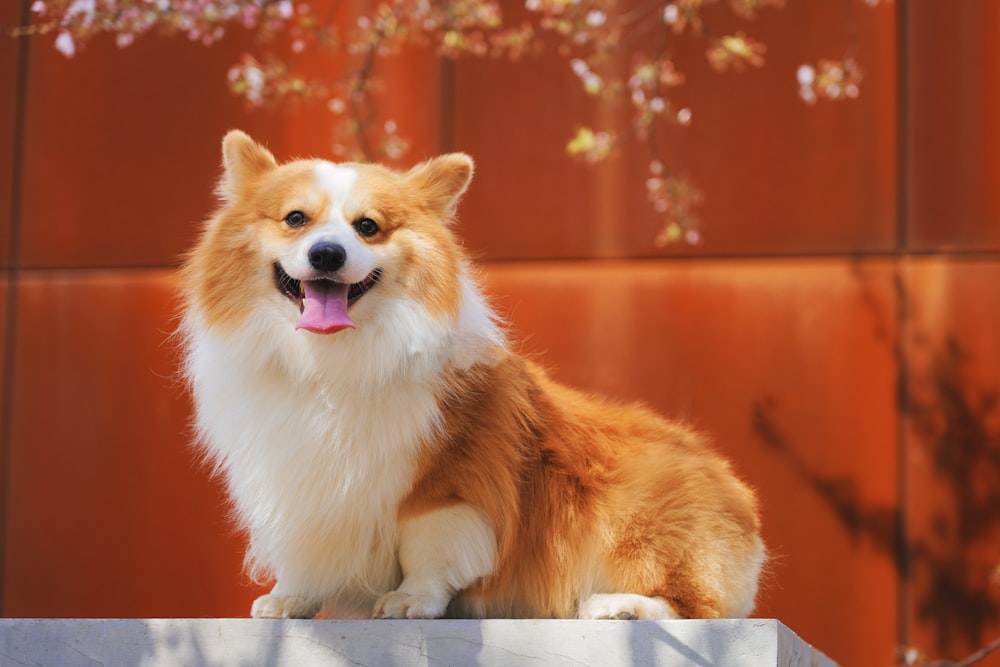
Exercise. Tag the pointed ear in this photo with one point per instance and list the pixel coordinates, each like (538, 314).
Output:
(243, 160)
(442, 181)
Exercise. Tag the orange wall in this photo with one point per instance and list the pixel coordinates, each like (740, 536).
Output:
(835, 331)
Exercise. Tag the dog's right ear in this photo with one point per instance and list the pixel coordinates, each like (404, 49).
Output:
(442, 181)
(243, 161)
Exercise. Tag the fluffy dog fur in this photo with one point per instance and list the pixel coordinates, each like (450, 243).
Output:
(408, 463)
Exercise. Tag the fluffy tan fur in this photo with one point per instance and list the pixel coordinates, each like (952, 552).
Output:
(586, 497)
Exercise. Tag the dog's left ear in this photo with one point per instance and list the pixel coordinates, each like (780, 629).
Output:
(441, 181)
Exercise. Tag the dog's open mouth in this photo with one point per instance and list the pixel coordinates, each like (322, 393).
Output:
(292, 288)
(323, 303)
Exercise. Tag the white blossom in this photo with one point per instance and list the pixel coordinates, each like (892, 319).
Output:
(805, 75)
(596, 18)
(86, 8)
(65, 44)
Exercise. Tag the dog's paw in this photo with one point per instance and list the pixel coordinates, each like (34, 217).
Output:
(626, 607)
(398, 604)
(283, 606)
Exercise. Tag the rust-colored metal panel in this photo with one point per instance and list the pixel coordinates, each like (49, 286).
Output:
(790, 366)
(10, 67)
(953, 455)
(109, 512)
(4, 395)
(778, 176)
(122, 147)
(953, 112)
(122, 150)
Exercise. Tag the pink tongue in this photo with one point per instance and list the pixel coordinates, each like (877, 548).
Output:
(324, 309)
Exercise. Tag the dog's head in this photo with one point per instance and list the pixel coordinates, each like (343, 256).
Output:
(321, 244)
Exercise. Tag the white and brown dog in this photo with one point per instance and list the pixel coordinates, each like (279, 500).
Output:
(386, 451)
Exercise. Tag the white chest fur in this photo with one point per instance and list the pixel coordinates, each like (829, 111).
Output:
(315, 464)
(318, 439)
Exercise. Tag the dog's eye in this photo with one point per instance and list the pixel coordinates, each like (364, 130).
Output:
(366, 227)
(296, 219)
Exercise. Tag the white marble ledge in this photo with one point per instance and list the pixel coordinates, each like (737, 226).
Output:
(510, 643)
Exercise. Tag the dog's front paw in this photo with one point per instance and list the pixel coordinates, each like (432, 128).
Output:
(283, 606)
(626, 607)
(398, 604)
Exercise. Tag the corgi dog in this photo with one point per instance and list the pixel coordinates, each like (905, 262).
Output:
(387, 452)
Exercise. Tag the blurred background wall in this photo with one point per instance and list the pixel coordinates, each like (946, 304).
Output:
(835, 330)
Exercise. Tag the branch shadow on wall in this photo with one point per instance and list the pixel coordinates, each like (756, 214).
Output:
(948, 420)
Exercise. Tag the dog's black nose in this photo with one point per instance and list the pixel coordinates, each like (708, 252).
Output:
(327, 256)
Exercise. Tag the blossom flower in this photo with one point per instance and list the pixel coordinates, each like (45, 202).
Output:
(591, 146)
(748, 8)
(829, 79)
(65, 44)
(736, 51)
